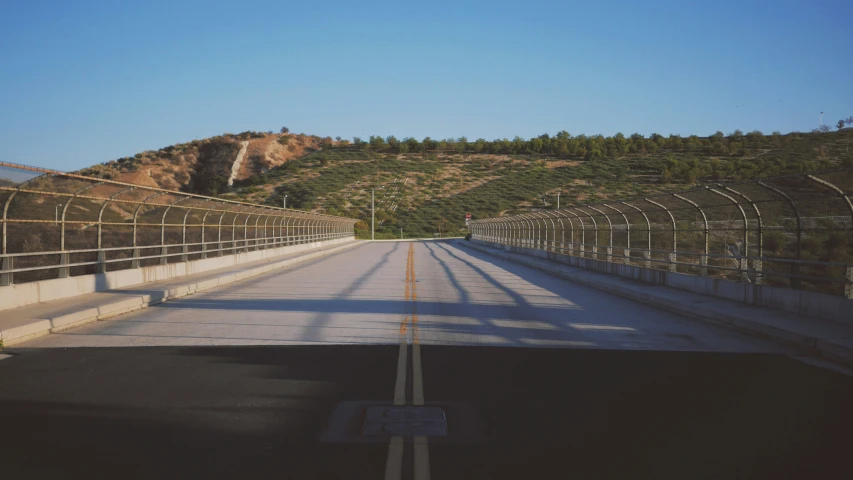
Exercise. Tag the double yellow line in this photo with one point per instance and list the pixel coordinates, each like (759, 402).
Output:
(394, 464)
(411, 295)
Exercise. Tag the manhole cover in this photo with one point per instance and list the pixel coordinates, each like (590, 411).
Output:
(405, 421)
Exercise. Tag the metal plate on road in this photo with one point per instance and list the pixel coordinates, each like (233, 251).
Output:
(406, 421)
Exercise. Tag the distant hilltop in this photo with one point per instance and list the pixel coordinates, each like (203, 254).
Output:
(428, 186)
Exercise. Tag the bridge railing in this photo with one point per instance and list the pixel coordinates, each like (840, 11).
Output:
(794, 231)
(57, 224)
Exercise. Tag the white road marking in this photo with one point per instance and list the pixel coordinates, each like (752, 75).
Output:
(394, 464)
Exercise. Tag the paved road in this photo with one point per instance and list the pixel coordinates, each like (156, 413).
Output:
(358, 296)
(536, 376)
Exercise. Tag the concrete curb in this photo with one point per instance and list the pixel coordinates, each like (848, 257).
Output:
(815, 345)
(89, 314)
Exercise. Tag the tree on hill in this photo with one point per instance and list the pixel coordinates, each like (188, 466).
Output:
(284, 130)
(840, 124)
(377, 143)
(462, 144)
(393, 143)
(429, 144)
(413, 144)
(479, 145)
(692, 143)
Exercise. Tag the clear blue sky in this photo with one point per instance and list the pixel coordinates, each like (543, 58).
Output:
(83, 82)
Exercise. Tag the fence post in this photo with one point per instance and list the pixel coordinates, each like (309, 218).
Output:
(848, 287)
(594, 232)
(743, 264)
(757, 264)
(63, 260)
(673, 255)
(233, 249)
(266, 237)
(163, 249)
(101, 266)
(626, 253)
(563, 234)
(583, 234)
(795, 267)
(5, 274)
(203, 244)
(609, 249)
(703, 259)
(134, 263)
(246, 233)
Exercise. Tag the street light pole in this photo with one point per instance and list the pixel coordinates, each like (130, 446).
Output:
(372, 213)
(285, 201)
(558, 200)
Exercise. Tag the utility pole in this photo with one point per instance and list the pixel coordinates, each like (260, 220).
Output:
(558, 200)
(372, 213)
(285, 201)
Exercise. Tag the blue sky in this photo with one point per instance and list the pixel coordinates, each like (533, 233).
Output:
(84, 82)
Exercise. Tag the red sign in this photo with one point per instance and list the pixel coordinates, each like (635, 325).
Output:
(467, 216)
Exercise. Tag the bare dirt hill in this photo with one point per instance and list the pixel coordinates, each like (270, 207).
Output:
(204, 166)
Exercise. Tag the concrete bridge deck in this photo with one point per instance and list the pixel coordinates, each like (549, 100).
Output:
(536, 376)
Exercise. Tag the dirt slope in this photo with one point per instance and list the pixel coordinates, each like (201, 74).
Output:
(204, 166)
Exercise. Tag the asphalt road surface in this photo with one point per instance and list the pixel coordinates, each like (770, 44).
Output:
(416, 360)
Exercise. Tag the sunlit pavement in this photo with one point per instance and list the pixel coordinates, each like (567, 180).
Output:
(536, 376)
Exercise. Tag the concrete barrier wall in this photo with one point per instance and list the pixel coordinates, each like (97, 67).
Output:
(54, 289)
(810, 304)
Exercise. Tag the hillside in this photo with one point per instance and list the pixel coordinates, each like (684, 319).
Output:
(204, 166)
(430, 185)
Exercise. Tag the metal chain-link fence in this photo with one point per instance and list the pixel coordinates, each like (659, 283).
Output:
(57, 224)
(794, 231)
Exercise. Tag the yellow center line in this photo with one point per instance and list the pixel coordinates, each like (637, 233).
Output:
(402, 360)
(394, 463)
(421, 445)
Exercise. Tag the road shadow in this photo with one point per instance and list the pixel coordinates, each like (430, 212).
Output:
(258, 412)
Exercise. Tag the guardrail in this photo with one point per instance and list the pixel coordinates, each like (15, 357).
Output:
(794, 231)
(57, 224)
